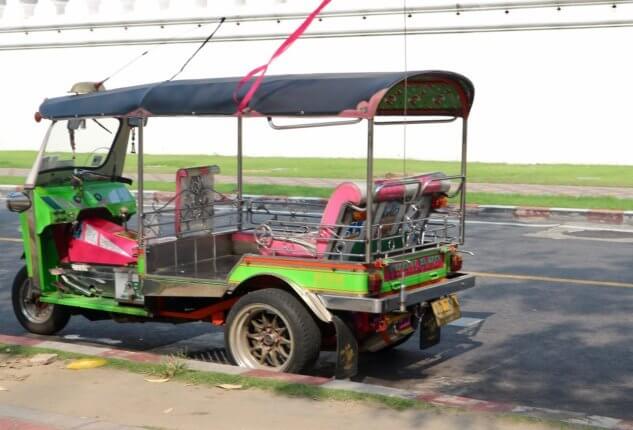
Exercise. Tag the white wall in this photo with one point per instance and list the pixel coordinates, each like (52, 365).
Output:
(541, 97)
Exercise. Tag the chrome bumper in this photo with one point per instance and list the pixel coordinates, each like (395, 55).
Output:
(392, 303)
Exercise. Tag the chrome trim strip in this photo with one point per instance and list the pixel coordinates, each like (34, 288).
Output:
(31, 179)
(173, 286)
(369, 218)
(392, 303)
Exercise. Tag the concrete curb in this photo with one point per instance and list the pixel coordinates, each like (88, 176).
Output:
(603, 216)
(514, 213)
(437, 399)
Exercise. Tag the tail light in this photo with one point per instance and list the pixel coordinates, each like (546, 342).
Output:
(374, 282)
(456, 262)
(359, 215)
(439, 202)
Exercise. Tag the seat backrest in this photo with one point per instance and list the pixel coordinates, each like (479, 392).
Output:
(343, 195)
(393, 201)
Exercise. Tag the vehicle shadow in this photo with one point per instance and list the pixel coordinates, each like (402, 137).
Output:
(407, 361)
(559, 346)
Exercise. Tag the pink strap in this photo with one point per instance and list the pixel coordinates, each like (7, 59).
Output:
(261, 70)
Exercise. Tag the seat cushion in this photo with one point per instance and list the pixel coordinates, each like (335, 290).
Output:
(244, 242)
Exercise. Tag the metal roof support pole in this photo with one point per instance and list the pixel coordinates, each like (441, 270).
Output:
(370, 190)
(240, 164)
(139, 179)
(462, 203)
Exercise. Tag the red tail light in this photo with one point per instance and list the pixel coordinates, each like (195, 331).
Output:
(456, 262)
(374, 282)
(439, 202)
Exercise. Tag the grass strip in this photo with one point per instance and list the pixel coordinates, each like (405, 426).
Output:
(12, 180)
(282, 388)
(212, 379)
(354, 168)
(545, 201)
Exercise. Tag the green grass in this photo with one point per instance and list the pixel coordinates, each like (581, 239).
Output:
(546, 201)
(550, 201)
(281, 388)
(12, 180)
(500, 173)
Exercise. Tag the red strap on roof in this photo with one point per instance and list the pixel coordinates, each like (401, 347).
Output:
(261, 70)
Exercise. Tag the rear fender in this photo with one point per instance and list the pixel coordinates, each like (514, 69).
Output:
(311, 300)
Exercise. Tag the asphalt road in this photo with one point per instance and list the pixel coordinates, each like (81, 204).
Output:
(547, 343)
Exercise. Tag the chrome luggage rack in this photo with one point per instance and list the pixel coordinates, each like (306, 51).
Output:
(296, 223)
(412, 236)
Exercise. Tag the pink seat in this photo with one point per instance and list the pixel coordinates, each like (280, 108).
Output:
(310, 246)
(336, 213)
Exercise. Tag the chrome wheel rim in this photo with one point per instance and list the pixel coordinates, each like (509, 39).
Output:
(31, 307)
(261, 338)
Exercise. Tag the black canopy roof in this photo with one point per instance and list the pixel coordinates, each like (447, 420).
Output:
(358, 95)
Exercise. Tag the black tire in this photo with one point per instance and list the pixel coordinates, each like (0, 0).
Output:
(52, 318)
(303, 334)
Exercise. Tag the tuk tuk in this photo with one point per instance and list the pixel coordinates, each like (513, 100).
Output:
(286, 277)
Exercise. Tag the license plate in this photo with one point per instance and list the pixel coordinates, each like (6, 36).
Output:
(446, 309)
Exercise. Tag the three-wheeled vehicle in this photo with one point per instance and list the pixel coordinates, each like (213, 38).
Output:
(287, 277)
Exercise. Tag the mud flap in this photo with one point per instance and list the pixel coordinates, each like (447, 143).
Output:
(429, 330)
(346, 350)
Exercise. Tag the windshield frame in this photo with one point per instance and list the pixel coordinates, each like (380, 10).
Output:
(32, 178)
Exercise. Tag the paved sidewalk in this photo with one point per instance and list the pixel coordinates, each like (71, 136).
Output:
(13, 417)
(97, 395)
(527, 189)
(51, 397)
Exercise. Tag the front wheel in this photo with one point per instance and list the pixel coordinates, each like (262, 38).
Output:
(270, 329)
(33, 315)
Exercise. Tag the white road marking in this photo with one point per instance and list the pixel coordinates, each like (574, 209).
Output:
(466, 322)
(597, 228)
(513, 224)
(103, 340)
(565, 226)
(553, 280)
(10, 239)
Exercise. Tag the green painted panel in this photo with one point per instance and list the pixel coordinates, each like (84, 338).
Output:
(24, 227)
(62, 204)
(421, 96)
(96, 303)
(308, 278)
(341, 282)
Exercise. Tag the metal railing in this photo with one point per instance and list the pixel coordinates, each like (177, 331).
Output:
(295, 226)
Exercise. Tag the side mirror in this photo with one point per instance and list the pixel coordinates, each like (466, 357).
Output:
(18, 202)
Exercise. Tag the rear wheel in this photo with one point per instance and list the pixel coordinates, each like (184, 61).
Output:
(270, 329)
(33, 315)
